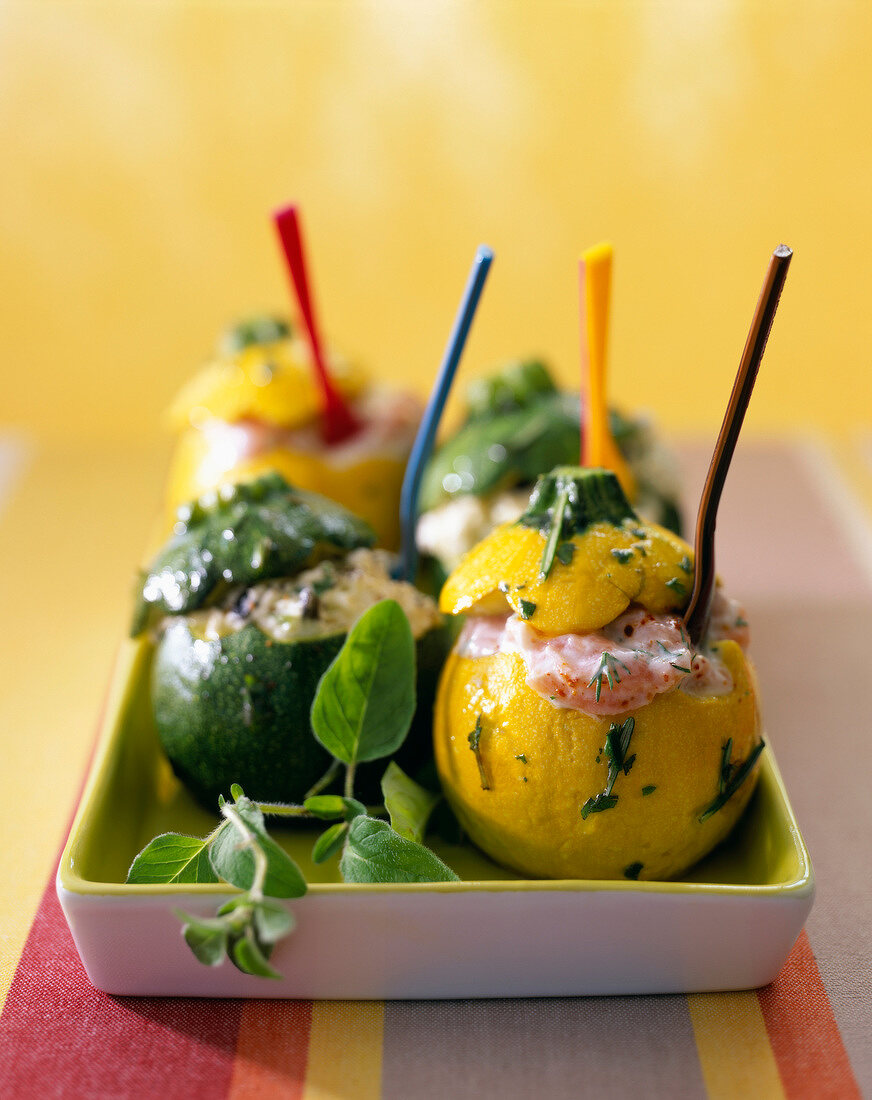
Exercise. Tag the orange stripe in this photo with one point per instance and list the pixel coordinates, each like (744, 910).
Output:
(805, 1037)
(272, 1051)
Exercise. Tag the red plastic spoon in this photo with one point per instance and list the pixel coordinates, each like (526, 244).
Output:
(337, 418)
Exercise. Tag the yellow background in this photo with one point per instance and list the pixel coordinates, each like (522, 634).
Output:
(144, 146)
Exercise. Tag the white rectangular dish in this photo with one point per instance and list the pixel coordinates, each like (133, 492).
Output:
(728, 924)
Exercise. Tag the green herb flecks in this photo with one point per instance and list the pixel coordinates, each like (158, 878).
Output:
(565, 552)
(679, 668)
(686, 565)
(649, 789)
(521, 757)
(616, 748)
(623, 554)
(731, 777)
(607, 670)
(474, 739)
(677, 586)
(632, 870)
(528, 609)
(598, 803)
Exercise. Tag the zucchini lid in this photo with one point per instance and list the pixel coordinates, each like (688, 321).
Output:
(242, 534)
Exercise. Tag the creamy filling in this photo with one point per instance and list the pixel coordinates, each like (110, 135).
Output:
(389, 421)
(327, 599)
(447, 532)
(619, 668)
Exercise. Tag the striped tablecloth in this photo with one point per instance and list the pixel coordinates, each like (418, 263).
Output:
(795, 542)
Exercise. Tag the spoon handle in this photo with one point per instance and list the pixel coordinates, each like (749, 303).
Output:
(699, 607)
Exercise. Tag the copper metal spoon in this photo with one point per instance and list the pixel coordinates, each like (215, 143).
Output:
(700, 605)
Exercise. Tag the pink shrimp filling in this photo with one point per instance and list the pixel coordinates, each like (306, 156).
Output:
(389, 422)
(618, 668)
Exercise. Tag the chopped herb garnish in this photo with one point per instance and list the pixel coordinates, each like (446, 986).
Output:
(731, 777)
(617, 743)
(474, 738)
(564, 552)
(598, 803)
(503, 586)
(685, 564)
(608, 670)
(724, 776)
(676, 585)
(680, 668)
(741, 621)
(528, 609)
(555, 531)
(632, 871)
(650, 789)
(521, 757)
(622, 554)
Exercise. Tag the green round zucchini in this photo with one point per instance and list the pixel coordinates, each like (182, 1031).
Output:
(236, 710)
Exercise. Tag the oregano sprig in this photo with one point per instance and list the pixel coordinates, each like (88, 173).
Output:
(362, 711)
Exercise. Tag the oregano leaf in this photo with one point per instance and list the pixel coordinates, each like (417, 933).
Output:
(408, 804)
(365, 700)
(247, 955)
(329, 842)
(172, 857)
(375, 853)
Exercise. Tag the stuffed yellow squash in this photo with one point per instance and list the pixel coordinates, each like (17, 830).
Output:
(257, 408)
(578, 731)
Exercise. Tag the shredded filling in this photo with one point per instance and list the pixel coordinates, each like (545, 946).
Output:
(619, 668)
(327, 599)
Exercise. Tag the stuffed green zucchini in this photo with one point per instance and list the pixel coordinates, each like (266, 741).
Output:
(248, 603)
(519, 425)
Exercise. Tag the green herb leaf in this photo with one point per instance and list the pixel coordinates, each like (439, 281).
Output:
(650, 789)
(522, 757)
(622, 554)
(331, 806)
(272, 921)
(528, 609)
(172, 857)
(685, 565)
(329, 842)
(554, 533)
(676, 585)
(736, 777)
(474, 739)
(234, 862)
(206, 937)
(408, 804)
(607, 670)
(366, 698)
(599, 803)
(565, 552)
(247, 955)
(375, 853)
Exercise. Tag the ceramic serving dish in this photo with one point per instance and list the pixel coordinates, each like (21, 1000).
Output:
(727, 924)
